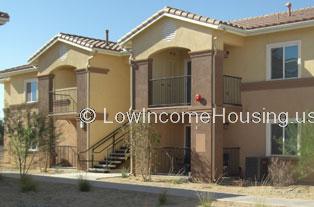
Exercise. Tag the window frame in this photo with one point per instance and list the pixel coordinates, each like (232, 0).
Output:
(25, 89)
(269, 47)
(268, 138)
(31, 149)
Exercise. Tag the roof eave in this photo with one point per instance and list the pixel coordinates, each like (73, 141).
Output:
(9, 74)
(50, 43)
(110, 52)
(125, 38)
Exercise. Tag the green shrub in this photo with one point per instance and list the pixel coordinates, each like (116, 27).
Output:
(27, 184)
(124, 173)
(163, 198)
(205, 199)
(84, 185)
(180, 181)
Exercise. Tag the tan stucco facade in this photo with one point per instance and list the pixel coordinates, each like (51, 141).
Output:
(162, 50)
(96, 79)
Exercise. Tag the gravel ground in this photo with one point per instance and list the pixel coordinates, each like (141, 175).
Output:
(63, 195)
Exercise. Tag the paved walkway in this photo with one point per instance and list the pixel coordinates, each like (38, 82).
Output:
(71, 178)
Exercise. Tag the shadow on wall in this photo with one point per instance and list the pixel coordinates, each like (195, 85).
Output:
(200, 167)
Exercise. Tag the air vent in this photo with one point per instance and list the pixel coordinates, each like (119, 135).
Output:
(169, 31)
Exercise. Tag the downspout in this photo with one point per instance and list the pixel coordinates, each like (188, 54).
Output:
(88, 102)
(213, 104)
(131, 58)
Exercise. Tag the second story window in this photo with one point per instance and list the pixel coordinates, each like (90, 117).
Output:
(31, 91)
(283, 60)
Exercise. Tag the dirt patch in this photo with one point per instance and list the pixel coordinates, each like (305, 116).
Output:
(291, 192)
(66, 195)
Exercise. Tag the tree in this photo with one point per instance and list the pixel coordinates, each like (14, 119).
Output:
(144, 139)
(306, 150)
(1, 132)
(29, 134)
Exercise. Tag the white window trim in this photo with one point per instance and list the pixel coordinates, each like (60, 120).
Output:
(25, 89)
(268, 138)
(33, 149)
(268, 58)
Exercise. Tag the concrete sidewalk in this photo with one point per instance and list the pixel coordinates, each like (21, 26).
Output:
(71, 178)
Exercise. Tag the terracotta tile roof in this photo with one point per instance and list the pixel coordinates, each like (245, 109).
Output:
(81, 41)
(91, 42)
(246, 24)
(173, 11)
(18, 68)
(299, 15)
(4, 15)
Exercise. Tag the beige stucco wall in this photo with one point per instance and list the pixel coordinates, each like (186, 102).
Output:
(14, 89)
(64, 77)
(187, 36)
(60, 55)
(251, 138)
(249, 61)
(109, 89)
(169, 63)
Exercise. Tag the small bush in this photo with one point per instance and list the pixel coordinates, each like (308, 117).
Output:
(163, 198)
(27, 184)
(124, 173)
(84, 185)
(281, 172)
(180, 181)
(205, 199)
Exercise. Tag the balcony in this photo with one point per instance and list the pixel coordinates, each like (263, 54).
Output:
(170, 91)
(64, 101)
(176, 91)
(232, 90)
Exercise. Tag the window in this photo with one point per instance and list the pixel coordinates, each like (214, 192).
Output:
(283, 60)
(33, 147)
(283, 140)
(31, 91)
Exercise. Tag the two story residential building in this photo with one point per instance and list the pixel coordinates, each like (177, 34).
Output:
(66, 75)
(177, 61)
(187, 62)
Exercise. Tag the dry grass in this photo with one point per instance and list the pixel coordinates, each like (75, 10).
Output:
(290, 192)
(60, 195)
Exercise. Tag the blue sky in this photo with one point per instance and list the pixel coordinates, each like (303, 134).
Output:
(34, 22)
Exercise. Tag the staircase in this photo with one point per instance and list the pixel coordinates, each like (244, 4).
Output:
(111, 153)
(113, 162)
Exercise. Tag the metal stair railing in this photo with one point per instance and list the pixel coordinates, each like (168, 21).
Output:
(109, 143)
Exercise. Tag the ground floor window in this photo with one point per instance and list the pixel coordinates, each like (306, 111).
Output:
(283, 140)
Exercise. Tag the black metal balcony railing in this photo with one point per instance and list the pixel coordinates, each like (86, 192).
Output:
(170, 91)
(63, 100)
(232, 90)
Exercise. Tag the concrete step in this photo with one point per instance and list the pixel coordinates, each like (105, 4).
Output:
(111, 162)
(99, 170)
(105, 166)
(117, 154)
